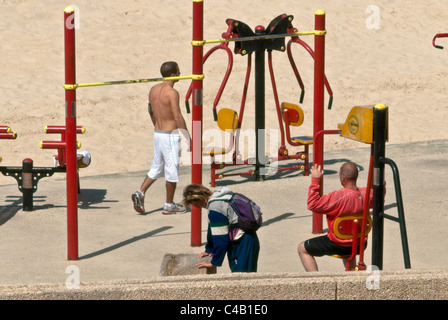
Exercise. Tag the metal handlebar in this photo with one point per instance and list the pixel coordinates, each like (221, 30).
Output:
(439, 35)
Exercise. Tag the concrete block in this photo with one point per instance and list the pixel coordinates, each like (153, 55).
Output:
(183, 264)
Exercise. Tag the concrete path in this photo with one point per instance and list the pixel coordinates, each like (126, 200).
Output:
(116, 244)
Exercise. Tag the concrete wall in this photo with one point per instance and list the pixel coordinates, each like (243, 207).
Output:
(408, 284)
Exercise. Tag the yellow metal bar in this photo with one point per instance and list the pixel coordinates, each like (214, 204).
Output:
(109, 83)
(268, 36)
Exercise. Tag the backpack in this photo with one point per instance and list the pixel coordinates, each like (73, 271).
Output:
(248, 212)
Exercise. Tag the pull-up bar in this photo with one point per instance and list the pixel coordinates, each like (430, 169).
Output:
(110, 83)
(262, 37)
(70, 145)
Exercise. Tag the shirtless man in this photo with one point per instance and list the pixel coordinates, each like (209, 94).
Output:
(163, 107)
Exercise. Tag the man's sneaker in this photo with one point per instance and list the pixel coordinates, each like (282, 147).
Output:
(173, 209)
(138, 199)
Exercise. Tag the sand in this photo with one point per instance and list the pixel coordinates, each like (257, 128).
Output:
(391, 62)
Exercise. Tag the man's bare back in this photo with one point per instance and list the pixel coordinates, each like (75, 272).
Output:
(164, 104)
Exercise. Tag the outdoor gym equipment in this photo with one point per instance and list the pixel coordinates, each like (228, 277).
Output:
(70, 129)
(6, 133)
(197, 93)
(69, 145)
(28, 176)
(439, 35)
(370, 125)
(248, 42)
(197, 76)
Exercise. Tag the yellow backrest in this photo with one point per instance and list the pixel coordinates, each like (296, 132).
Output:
(359, 124)
(295, 113)
(227, 119)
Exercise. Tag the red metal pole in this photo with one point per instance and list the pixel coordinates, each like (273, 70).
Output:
(319, 82)
(70, 124)
(196, 154)
(277, 104)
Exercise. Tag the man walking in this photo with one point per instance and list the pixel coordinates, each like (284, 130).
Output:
(163, 107)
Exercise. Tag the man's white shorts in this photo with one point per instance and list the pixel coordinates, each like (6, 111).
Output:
(165, 160)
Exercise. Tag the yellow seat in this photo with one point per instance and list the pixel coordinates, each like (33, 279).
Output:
(293, 116)
(349, 227)
(227, 121)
